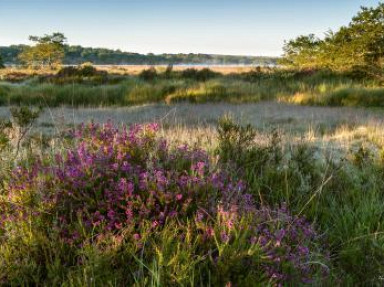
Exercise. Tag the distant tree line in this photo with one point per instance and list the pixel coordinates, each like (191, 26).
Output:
(77, 54)
(357, 46)
(74, 55)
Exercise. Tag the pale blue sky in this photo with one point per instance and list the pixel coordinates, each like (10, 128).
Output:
(242, 27)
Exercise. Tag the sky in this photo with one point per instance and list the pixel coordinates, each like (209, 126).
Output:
(239, 27)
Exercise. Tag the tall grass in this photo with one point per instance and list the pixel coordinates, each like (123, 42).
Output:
(343, 96)
(345, 198)
(317, 88)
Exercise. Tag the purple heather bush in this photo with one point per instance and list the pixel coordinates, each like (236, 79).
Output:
(123, 181)
(287, 244)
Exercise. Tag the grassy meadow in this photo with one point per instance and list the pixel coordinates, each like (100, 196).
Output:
(113, 86)
(128, 176)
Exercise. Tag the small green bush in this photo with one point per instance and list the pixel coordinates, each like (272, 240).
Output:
(148, 74)
(198, 75)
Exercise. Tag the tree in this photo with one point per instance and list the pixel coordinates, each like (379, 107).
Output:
(360, 44)
(47, 51)
(302, 51)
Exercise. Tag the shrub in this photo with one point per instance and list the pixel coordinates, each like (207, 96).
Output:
(168, 73)
(78, 71)
(198, 75)
(69, 71)
(122, 179)
(125, 200)
(17, 77)
(148, 74)
(345, 197)
(85, 73)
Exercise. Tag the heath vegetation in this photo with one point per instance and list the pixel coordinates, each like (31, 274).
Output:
(121, 205)
(159, 196)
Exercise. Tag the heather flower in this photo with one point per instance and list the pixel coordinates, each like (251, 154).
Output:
(224, 237)
(120, 181)
(210, 232)
(136, 236)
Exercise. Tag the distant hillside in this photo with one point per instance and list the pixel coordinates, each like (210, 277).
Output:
(99, 56)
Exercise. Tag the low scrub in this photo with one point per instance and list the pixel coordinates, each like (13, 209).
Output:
(84, 74)
(344, 197)
(342, 97)
(122, 207)
(85, 86)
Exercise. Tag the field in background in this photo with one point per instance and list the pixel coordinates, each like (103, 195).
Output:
(134, 69)
(329, 129)
(87, 86)
(137, 69)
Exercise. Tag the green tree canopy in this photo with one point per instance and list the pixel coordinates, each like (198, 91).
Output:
(360, 44)
(47, 51)
(302, 51)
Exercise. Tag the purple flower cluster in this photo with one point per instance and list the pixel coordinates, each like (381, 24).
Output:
(287, 241)
(114, 179)
(123, 180)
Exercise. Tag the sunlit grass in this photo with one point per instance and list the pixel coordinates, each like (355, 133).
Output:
(320, 88)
